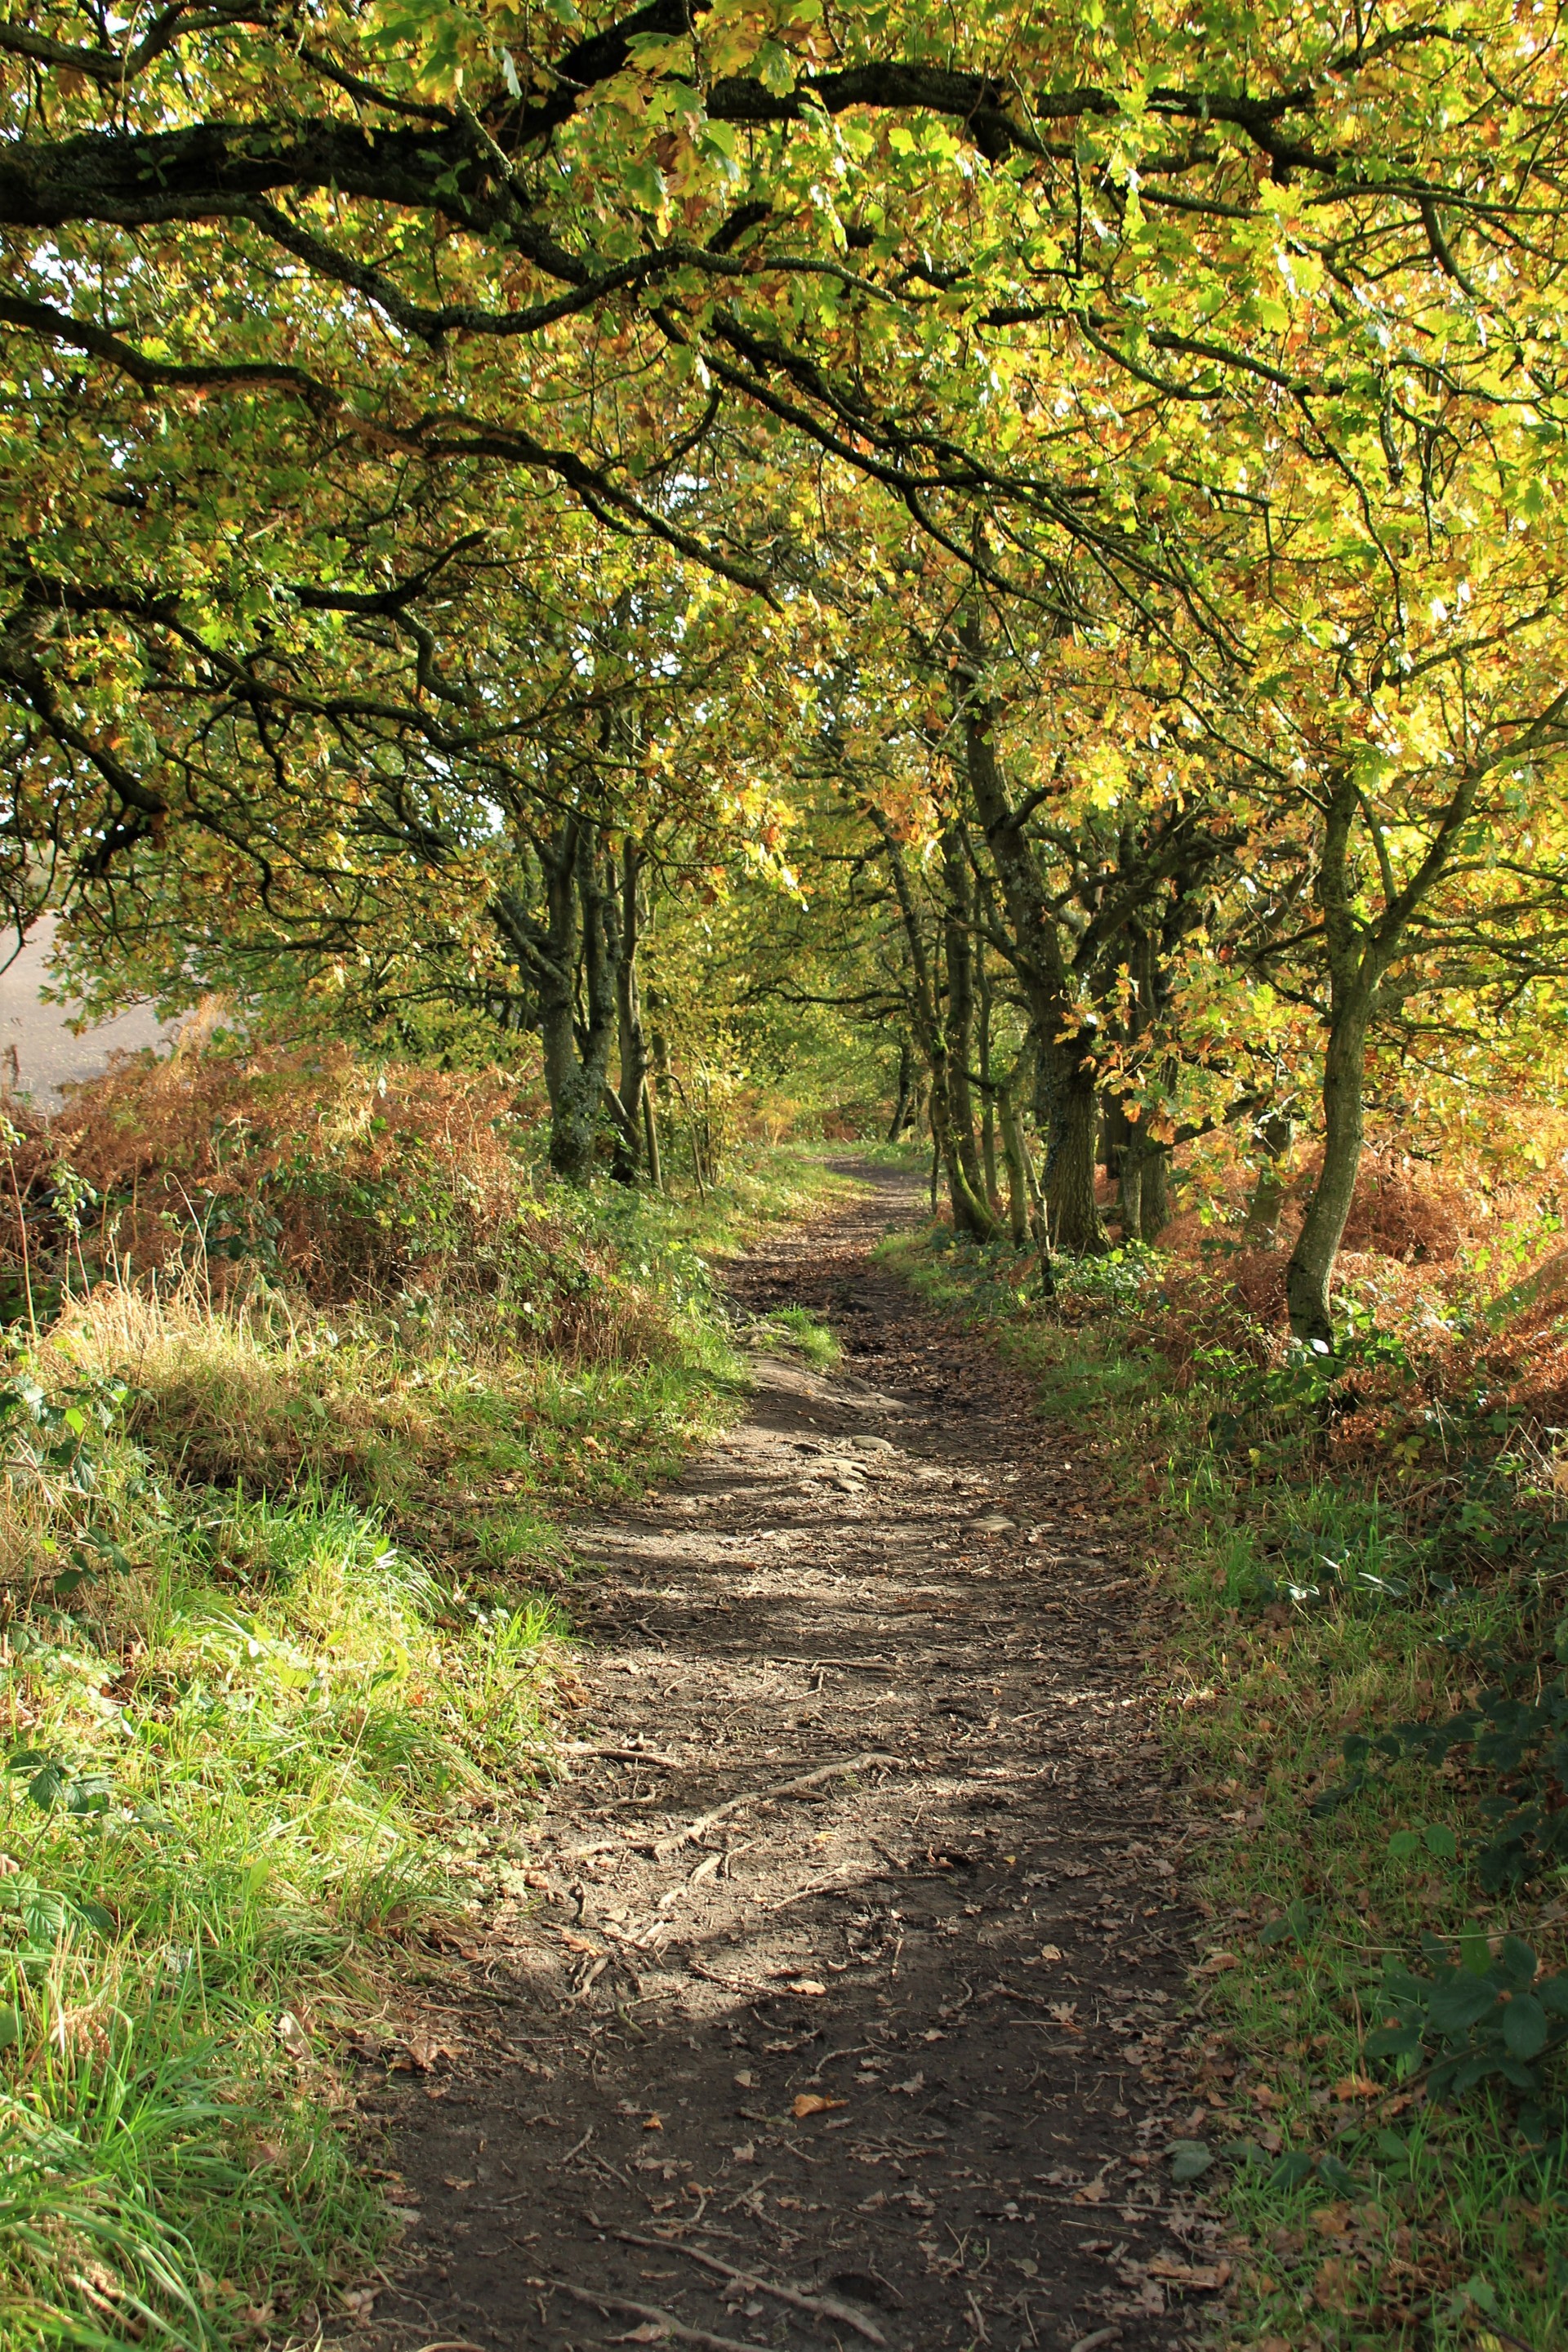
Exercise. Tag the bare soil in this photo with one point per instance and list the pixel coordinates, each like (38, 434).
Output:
(853, 1966)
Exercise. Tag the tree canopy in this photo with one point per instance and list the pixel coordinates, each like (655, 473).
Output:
(1053, 522)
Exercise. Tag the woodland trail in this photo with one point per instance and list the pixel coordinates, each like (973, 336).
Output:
(844, 2005)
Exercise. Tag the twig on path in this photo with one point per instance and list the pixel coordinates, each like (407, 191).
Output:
(649, 2312)
(821, 2306)
(751, 1985)
(675, 1838)
(816, 1886)
(621, 1755)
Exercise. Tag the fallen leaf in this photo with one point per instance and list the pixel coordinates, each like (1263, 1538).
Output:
(812, 2103)
(1190, 2159)
(1204, 2277)
(650, 2331)
(294, 2037)
(1093, 2192)
(1050, 1951)
(448, 2182)
(359, 2301)
(578, 1943)
(1217, 1963)
(1358, 2087)
(423, 2050)
(1332, 2221)
(1332, 2287)
(745, 2079)
(1065, 2013)
(806, 1985)
(908, 2090)
(744, 2152)
(653, 2123)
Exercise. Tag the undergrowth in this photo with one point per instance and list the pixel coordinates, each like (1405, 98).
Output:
(284, 1628)
(1359, 1568)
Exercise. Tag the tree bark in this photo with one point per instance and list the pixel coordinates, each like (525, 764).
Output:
(970, 1213)
(1069, 1181)
(1122, 1163)
(629, 1104)
(1310, 1270)
(1013, 1153)
(1064, 1067)
(988, 1093)
(901, 1107)
(1274, 1133)
(1154, 1193)
(958, 938)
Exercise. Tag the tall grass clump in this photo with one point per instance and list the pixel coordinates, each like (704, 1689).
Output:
(1358, 1572)
(303, 1363)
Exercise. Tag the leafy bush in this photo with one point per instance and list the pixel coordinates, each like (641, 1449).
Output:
(1484, 2017)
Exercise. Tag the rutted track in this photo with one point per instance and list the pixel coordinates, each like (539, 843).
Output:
(852, 1964)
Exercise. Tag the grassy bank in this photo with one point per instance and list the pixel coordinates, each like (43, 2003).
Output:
(1358, 1579)
(286, 1611)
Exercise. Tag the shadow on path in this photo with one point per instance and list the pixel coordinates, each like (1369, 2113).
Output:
(852, 1962)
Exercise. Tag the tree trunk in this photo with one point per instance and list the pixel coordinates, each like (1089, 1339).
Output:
(628, 1104)
(650, 1136)
(1311, 1266)
(1123, 1163)
(906, 1088)
(1065, 1086)
(1274, 1133)
(988, 1094)
(971, 1198)
(1154, 1199)
(577, 1052)
(970, 1213)
(1017, 1173)
(1130, 1194)
(573, 960)
(1069, 1181)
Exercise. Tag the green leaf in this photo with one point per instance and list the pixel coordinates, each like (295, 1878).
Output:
(1190, 2159)
(1394, 2041)
(1524, 2027)
(1516, 1962)
(1460, 2003)
(12, 2026)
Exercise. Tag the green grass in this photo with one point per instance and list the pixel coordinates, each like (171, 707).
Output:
(285, 1602)
(794, 1328)
(1300, 1604)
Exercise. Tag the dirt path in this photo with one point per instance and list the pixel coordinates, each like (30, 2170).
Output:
(853, 1962)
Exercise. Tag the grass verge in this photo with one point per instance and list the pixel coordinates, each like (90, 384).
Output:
(1378, 2048)
(284, 1630)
